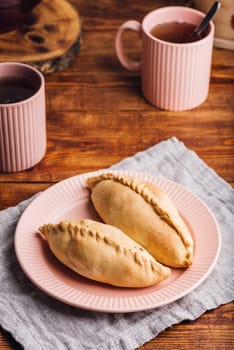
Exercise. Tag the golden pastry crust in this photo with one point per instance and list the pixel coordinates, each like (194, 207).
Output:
(103, 253)
(146, 214)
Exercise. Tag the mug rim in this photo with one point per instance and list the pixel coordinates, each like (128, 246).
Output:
(29, 68)
(185, 9)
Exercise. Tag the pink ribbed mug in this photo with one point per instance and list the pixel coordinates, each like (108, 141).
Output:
(175, 76)
(22, 119)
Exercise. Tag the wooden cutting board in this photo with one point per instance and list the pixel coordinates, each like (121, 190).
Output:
(49, 39)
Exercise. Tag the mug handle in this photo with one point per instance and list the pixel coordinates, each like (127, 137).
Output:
(123, 58)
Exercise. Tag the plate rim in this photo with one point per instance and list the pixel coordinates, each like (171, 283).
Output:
(123, 309)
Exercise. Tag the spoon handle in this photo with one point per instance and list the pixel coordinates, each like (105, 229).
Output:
(199, 29)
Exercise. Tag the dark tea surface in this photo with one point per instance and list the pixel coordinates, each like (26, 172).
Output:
(15, 89)
(175, 32)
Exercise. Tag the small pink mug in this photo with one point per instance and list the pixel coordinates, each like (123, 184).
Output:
(22, 117)
(175, 76)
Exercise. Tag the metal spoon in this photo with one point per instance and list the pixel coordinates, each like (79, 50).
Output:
(204, 23)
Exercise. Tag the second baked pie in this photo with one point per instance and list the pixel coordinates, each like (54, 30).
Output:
(103, 253)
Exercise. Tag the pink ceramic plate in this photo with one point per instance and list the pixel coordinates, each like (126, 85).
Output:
(70, 199)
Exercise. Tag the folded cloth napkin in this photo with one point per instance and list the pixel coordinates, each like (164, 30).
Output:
(39, 322)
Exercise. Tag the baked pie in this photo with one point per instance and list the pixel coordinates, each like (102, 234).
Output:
(103, 253)
(146, 214)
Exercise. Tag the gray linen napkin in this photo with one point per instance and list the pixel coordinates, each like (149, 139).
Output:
(39, 322)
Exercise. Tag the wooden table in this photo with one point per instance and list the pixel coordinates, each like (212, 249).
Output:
(96, 116)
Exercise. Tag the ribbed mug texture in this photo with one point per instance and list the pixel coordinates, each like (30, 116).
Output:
(176, 77)
(22, 133)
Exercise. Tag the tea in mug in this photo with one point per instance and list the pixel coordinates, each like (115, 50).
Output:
(15, 89)
(175, 32)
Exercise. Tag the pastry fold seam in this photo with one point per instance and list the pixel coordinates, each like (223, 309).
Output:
(144, 192)
(74, 229)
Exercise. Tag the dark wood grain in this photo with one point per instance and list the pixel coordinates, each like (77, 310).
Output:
(96, 116)
(49, 38)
